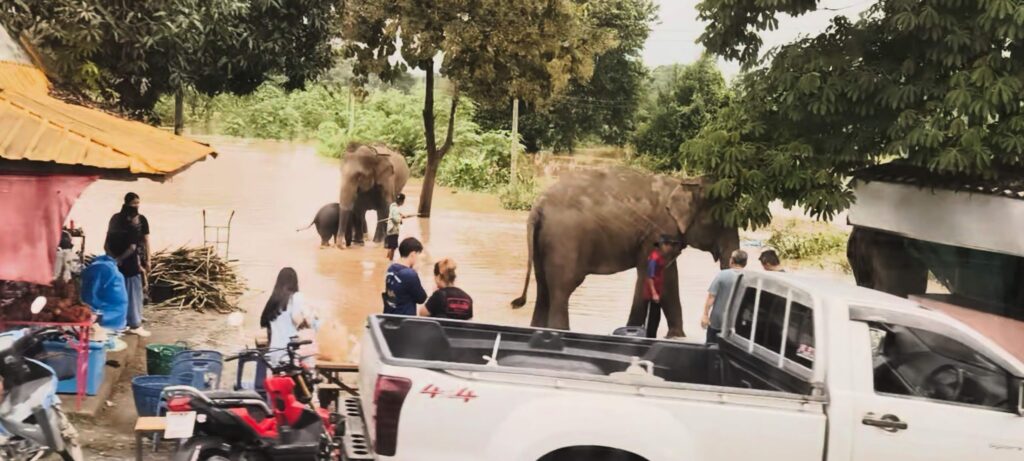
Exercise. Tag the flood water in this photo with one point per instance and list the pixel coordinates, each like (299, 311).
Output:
(276, 187)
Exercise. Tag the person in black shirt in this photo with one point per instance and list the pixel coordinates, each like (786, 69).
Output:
(128, 233)
(448, 301)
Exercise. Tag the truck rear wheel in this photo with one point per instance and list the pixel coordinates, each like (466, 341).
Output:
(591, 453)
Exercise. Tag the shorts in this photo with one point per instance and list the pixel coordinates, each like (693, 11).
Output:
(391, 242)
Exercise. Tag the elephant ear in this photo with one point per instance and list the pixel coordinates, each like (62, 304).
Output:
(682, 207)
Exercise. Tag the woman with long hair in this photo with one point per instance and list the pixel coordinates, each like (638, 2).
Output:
(286, 316)
(448, 301)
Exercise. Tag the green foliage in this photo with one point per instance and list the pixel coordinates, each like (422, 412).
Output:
(794, 241)
(935, 84)
(134, 52)
(684, 99)
(519, 196)
(804, 243)
(604, 106)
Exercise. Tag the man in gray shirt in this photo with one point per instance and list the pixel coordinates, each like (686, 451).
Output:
(718, 295)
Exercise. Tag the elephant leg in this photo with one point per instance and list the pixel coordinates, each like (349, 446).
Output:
(541, 306)
(561, 290)
(358, 223)
(670, 303)
(638, 311)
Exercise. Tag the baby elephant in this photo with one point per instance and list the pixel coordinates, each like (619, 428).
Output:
(326, 221)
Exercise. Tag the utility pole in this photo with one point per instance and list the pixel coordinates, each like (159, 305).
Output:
(515, 136)
(179, 111)
(351, 110)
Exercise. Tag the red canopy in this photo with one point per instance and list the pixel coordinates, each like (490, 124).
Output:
(32, 212)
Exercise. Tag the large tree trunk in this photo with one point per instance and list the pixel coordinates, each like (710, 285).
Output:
(434, 154)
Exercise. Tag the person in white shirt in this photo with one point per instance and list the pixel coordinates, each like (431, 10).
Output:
(395, 217)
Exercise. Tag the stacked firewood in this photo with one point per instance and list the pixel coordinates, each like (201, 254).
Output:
(195, 277)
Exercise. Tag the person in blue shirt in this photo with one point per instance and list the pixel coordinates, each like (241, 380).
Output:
(402, 287)
(103, 289)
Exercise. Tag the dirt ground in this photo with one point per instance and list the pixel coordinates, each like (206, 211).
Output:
(109, 435)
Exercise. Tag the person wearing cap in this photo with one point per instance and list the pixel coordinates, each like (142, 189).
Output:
(655, 282)
(770, 261)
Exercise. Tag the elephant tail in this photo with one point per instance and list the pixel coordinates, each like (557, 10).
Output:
(307, 227)
(532, 230)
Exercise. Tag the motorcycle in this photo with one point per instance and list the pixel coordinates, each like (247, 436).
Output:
(239, 425)
(32, 424)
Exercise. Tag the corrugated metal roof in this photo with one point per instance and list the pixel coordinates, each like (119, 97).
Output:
(36, 127)
(1009, 182)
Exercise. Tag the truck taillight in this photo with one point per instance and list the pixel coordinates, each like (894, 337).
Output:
(388, 397)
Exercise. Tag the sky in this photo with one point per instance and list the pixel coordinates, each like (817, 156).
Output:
(673, 37)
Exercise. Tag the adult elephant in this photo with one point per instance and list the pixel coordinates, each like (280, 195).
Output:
(371, 178)
(884, 261)
(603, 222)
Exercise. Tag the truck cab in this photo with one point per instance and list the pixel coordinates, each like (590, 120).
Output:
(901, 380)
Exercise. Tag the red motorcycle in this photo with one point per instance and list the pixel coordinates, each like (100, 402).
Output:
(240, 426)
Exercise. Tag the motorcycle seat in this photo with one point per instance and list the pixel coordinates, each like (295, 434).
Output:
(232, 395)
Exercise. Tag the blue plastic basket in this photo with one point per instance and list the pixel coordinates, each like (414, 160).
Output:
(197, 354)
(147, 389)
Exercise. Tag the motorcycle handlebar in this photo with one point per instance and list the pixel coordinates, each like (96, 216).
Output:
(301, 343)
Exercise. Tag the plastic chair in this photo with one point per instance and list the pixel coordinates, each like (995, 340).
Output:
(201, 374)
(258, 383)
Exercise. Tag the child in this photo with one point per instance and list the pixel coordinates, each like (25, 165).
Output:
(394, 226)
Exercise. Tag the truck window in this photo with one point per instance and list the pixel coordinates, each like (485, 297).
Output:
(770, 318)
(800, 335)
(745, 315)
(919, 363)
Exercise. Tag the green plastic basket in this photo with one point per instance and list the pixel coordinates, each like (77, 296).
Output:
(160, 357)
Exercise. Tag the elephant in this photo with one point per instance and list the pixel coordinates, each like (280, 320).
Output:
(371, 178)
(326, 222)
(606, 221)
(883, 261)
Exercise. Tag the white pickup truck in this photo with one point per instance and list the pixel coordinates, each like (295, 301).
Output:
(807, 369)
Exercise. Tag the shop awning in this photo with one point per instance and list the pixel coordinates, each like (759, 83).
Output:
(41, 134)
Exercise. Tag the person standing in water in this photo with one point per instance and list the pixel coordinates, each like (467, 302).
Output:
(402, 287)
(395, 217)
(286, 315)
(654, 282)
(449, 301)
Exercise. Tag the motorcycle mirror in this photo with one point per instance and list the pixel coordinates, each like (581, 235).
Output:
(38, 304)
(235, 319)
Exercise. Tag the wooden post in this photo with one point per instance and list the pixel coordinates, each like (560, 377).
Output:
(351, 111)
(515, 137)
(179, 111)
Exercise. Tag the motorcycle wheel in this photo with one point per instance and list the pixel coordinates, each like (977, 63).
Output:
(72, 448)
(208, 448)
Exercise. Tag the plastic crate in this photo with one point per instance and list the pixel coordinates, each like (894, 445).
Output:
(97, 365)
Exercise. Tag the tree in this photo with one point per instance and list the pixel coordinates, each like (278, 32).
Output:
(932, 83)
(134, 52)
(685, 98)
(488, 49)
(604, 106)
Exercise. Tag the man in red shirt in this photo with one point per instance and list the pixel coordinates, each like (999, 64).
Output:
(660, 256)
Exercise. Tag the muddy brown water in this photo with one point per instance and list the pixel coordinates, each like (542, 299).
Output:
(276, 187)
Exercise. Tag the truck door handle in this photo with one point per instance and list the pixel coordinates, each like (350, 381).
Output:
(888, 423)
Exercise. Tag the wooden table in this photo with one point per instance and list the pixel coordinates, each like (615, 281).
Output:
(332, 372)
(148, 425)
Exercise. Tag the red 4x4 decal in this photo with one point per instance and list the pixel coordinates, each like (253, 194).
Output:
(465, 393)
